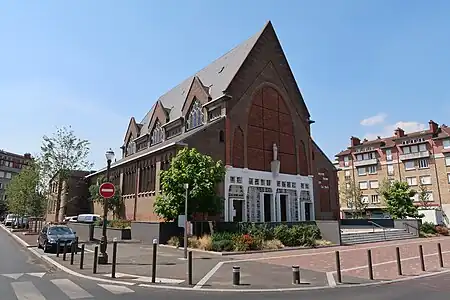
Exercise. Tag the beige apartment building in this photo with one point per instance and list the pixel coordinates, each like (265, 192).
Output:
(418, 158)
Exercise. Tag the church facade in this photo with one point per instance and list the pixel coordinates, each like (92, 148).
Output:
(246, 110)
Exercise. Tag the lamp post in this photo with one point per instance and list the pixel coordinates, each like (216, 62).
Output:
(186, 187)
(103, 257)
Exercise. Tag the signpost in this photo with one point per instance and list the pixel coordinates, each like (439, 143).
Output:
(107, 190)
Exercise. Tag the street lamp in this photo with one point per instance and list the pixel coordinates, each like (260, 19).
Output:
(186, 187)
(103, 257)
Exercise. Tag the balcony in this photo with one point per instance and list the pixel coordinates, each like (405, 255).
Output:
(366, 162)
(415, 155)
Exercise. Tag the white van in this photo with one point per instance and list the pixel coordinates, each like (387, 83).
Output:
(88, 218)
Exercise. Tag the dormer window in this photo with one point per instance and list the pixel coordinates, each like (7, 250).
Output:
(157, 135)
(195, 117)
(131, 149)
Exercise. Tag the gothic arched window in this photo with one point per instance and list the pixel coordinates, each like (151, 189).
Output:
(157, 135)
(195, 116)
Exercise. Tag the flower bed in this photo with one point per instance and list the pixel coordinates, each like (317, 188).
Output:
(428, 229)
(257, 237)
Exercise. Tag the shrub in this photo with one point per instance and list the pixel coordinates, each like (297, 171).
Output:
(272, 245)
(205, 242)
(222, 245)
(174, 241)
(193, 242)
(442, 230)
(221, 236)
(260, 231)
(298, 235)
(323, 243)
(119, 223)
(428, 228)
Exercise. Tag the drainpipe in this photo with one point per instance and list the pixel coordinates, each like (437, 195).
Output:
(436, 174)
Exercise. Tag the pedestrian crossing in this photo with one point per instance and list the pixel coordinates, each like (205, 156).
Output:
(30, 290)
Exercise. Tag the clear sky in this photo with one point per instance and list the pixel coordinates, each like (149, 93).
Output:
(362, 65)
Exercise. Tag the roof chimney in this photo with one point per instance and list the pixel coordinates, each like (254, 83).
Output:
(399, 132)
(433, 126)
(354, 141)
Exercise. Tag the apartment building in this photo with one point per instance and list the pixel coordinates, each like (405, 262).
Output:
(10, 165)
(418, 158)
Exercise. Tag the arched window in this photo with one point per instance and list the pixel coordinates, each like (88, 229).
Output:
(195, 116)
(157, 134)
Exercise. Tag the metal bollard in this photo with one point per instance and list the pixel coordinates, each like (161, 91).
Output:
(295, 275)
(58, 248)
(338, 267)
(399, 261)
(82, 257)
(422, 261)
(189, 268)
(114, 260)
(76, 245)
(72, 253)
(369, 262)
(65, 250)
(94, 266)
(441, 259)
(155, 249)
(236, 275)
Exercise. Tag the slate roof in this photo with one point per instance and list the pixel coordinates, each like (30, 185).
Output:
(215, 77)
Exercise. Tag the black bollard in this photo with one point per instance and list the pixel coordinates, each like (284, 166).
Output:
(76, 245)
(441, 259)
(369, 262)
(189, 268)
(114, 260)
(236, 275)
(422, 261)
(72, 253)
(82, 257)
(58, 248)
(399, 261)
(338, 267)
(295, 275)
(94, 266)
(65, 250)
(155, 249)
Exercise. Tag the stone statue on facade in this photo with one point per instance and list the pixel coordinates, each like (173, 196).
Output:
(275, 151)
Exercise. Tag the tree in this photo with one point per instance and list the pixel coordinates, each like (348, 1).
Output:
(62, 153)
(351, 195)
(202, 174)
(115, 203)
(24, 196)
(423, 195)
(400, 205)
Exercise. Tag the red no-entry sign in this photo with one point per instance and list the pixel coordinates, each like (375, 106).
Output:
(107, 190)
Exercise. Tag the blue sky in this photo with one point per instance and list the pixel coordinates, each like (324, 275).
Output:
(363, 66)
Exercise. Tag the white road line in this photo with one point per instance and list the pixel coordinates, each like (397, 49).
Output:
(40, 275)
(26, 290)
(69, 288)
(14, 276)
(208, 276)
(116, 289)
(330, 279)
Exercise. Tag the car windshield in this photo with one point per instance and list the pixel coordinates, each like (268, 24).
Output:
(59, 230)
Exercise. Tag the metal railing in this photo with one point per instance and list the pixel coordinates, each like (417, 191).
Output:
(374, 225)
(408, 226)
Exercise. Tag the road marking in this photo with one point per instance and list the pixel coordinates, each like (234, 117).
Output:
(26, 291)
(69, 288)
(116, 289)
(14, 276)
(330, 279)
(208, 276)
(40, 275)
(146, 279)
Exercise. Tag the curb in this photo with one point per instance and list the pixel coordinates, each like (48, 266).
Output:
(179, 288)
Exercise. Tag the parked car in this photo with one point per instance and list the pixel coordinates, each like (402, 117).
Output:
(50, 235)
(10, 219)
(88, 218)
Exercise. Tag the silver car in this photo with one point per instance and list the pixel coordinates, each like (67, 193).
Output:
(50, 235)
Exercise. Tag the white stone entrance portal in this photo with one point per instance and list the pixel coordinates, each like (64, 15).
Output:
(258, 196)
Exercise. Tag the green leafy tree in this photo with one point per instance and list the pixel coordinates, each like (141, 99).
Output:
(423, 195)
(62, 153)
(400, 205)
(202, 174)
(351, 195)
(24, 196)
(115, 203)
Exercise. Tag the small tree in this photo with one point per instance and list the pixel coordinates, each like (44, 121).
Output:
(115, 203)
(423, 195)
(351, 195)
(202, 174)
(398, 196)
(24, 196)
(61, 153)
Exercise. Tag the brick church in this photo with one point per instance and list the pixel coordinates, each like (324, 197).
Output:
(246, 110)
